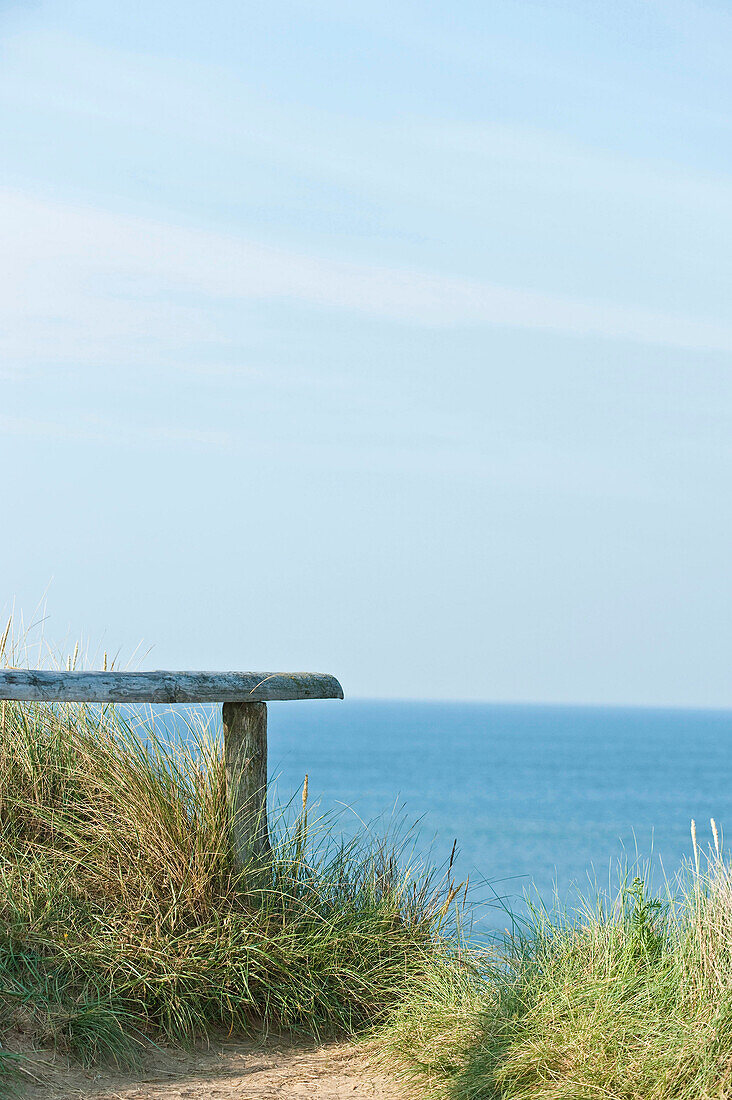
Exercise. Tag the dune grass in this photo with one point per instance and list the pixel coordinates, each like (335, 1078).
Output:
(123, 919)
(630, 1000)
(124, 922)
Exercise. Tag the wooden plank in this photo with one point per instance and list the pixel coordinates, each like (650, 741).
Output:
(245, 750)
(32, 685)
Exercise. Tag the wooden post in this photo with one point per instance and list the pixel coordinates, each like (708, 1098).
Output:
(245, 748)
(245, 723)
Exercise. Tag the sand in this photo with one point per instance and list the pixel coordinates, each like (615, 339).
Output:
(245, 1071)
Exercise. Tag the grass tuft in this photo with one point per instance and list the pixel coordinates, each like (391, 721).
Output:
(630, 1001)
(124, 919)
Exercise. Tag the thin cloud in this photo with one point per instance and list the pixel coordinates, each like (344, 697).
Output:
(80, 279)
(114, 433)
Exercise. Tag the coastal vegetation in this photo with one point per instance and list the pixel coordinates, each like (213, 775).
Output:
(125, 919)
(631, 999)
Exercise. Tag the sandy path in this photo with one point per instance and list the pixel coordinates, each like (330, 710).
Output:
(224, 1072)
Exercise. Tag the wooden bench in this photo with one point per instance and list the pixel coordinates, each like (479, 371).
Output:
(244, 696)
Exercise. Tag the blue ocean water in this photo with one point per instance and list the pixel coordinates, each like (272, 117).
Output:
(536, 796)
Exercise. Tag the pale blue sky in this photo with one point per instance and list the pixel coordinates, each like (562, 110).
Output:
(386, 339)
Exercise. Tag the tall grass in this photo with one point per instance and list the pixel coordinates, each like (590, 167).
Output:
(123, 917)
(631, 1000)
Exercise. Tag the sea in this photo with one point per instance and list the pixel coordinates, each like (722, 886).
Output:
(542, 805)
(545, 805)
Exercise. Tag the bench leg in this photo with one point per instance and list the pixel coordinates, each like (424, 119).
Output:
(245, 749)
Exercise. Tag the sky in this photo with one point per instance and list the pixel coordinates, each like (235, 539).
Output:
(391, 340)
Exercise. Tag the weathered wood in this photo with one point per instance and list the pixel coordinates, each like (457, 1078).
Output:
(245, 722)
(31, 685)
(245, 748)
